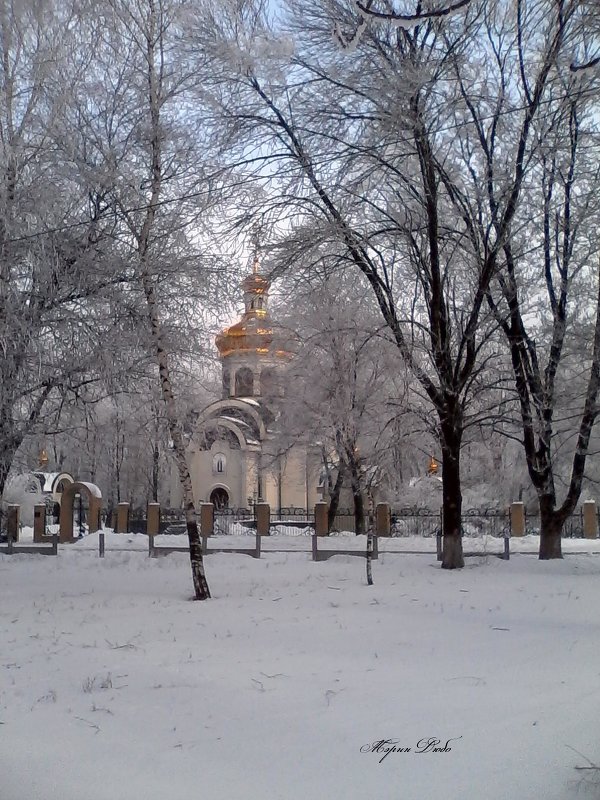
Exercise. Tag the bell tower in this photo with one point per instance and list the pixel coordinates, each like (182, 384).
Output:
(248, 350)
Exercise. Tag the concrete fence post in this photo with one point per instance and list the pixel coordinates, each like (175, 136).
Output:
(122, 518)
(39, 523)
(383, 520)
(517, 519)
(263, 519)
(321, 523)
(13, 516)
(207, 519)
(153, 519)
(590, 520)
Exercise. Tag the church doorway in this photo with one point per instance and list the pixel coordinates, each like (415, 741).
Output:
(219, 498)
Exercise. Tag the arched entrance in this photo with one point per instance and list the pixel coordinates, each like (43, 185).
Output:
(219, 497)
(93, 500)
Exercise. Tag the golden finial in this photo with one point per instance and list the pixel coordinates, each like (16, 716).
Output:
(433, 466)
(256, 264)
(43, 458)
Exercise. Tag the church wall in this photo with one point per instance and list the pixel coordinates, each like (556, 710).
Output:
(240, 478)
(293, 487)
(205, 477)
(271, 490)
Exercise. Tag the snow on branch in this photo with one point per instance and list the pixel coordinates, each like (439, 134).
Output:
(349, 43)
(404, 21)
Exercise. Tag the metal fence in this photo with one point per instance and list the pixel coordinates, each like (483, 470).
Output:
(294, 520)
(572, 529)
(172, 521)
(286, 521)
(485, 522)
(343, 521)
(426, 523)
(234, 521)
(415, 522)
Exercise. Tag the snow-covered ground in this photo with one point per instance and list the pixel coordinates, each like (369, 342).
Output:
(115, 687)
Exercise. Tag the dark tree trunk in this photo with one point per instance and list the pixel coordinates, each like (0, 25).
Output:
(155, 471)
(358, 500)
(6, 458)
(551, 527)
(452, 553)
(359, 513)
(334, 495)
(370, 557)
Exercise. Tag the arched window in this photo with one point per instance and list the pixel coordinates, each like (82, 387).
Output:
(219, 464)
(244, 382)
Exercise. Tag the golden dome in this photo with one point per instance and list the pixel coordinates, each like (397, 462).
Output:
(254, 332)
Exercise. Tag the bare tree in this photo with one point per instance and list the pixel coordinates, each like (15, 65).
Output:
(338, 383)
(136, 143)
(369, 143)
(149, 27)
(54, 278)
(530, 177)
(556, 354)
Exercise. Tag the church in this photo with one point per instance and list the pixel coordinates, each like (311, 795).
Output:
(233, 456)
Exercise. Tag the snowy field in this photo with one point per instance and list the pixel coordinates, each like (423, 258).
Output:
(115, 687)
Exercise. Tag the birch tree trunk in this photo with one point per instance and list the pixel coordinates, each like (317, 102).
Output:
(154, 30)
(201, 590)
